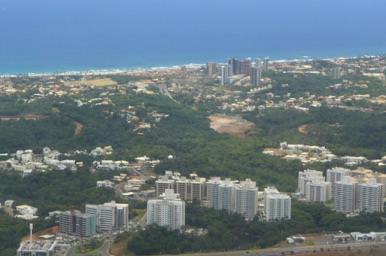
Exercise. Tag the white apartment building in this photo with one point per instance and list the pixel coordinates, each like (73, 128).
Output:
(226, 199)
(233, 196)
(168, 211)
(109, 216)
(345, 195)
(336, 174)
(276, 205)
(318, 191)
(370, 196)
(246, 199)
(308, 176)
(213, 192)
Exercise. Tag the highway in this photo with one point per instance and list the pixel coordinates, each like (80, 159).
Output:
(296, 250)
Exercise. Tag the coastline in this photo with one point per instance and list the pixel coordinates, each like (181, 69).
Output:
(128, 71)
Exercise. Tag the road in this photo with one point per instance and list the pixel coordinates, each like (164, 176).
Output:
(364, 246)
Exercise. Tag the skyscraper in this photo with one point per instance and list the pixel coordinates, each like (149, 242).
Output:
(245, 67)
(258, 62)
(335, 73)
(255, 76)
(224, 75)
(211, 68)
(168, 211)
(266, 64)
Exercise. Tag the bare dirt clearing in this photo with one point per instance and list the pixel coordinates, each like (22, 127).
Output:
(303, 129)
(78, 128)
(233, 125)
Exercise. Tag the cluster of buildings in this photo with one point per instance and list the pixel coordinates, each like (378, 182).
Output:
(235, 67)
(353, 191)
(311, 153)
(240, 197)
(105, 217)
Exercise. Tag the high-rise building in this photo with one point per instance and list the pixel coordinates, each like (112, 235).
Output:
(183, 188)
(318, 191)
(335, 73)
(370, 196)
(246, 199)
(110, 216)
(258, 62)
(77, 223)
(345, 195)
(308, 176)
(168, 211)
(211, 68)
(266, 64)
(226, 195)
(336, 174)
(235, 65)
(276, 205)
(245, 67)
(224, 75)
(213, 192)
(197, 189)
(162, 184)
(255, 76)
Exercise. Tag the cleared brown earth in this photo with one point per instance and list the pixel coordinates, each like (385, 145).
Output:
(118, 249)
(231, 125)
(303, 129)
(78, 128)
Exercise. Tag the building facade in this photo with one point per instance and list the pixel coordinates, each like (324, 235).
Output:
(276, 205)
(370, 196)
(318, 191)
(109, 216)
(167, 212)
(77, 223)
(345, 195)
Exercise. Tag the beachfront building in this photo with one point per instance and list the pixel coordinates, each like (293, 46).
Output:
(255, 76)
(224, 75)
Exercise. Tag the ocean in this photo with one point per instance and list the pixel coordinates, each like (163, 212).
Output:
(66, 35)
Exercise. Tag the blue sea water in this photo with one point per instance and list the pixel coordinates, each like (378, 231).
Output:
(60, 35)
